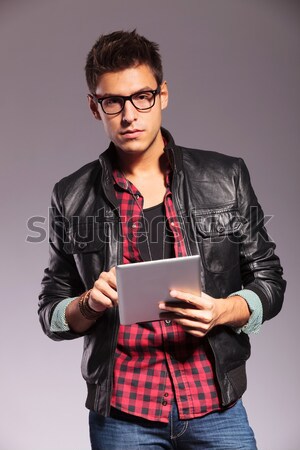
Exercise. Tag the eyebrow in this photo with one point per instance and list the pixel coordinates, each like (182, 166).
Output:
(110, 94)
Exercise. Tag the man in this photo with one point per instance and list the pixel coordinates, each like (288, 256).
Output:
(176, 382)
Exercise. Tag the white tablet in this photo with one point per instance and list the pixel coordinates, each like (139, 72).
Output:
(141, 286)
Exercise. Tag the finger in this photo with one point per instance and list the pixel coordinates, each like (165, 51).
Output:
(176, 303)
(196, 333)
(112, 271)
(184, 311)
(98, 301)
(103, 287)
(188, 298)
(187, 309)
(109, 277)
(191, 325)
(202, 301)
(203, 318)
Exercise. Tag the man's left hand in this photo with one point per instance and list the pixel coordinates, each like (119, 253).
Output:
(199, 314)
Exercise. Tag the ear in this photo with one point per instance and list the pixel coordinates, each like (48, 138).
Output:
(93, 107)
(164, 95)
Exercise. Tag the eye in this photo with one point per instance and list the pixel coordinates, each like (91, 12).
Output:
(143, 96)
(111, 101)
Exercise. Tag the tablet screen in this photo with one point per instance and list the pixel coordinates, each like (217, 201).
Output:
(141, 286)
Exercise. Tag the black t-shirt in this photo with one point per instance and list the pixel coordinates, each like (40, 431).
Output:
(159, 235)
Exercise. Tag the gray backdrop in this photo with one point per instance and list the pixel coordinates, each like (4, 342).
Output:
(233, 73)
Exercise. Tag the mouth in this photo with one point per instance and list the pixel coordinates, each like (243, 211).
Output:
(132, 134)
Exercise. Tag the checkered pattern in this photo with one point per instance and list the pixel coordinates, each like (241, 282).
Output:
(158, 362)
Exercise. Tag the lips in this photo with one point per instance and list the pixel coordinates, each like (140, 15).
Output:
(132, 134)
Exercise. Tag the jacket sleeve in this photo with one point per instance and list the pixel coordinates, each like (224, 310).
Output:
(61, 279)
(260, 267)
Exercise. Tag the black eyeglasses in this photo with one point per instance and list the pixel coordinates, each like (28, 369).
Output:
(142, 101)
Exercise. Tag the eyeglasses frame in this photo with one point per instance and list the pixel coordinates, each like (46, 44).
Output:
(154, 92)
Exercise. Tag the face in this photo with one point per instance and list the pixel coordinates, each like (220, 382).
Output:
(131, 131)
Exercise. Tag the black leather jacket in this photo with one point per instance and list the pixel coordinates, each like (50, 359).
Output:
(221, 220)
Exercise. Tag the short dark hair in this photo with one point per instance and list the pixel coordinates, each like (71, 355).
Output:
(118, 51)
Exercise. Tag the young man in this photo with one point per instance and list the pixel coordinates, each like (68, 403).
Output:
(177, 382)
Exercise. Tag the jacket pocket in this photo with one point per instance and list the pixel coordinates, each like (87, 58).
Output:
(86, 238)
(219, 231)
(89, 246)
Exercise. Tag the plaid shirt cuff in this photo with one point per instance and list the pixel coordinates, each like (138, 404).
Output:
(255, 306)
(58, 321)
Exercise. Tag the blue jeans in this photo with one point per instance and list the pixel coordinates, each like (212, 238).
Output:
(226, 430)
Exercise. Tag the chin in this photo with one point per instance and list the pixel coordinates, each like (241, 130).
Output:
(133, 147)
(133, 151)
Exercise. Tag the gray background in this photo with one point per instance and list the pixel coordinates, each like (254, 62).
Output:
(233, 71)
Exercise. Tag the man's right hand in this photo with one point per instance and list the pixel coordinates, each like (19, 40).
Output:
(104, 293)
(102, 296)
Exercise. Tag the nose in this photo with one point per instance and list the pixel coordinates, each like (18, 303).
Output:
(129, 113)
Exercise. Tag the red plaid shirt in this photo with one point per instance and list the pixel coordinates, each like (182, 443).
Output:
(158, 362)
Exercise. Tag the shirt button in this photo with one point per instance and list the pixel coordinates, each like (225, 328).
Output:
(166, 395)
(134, 225)
(164, 403)
(168, 322)
(172, 224)
(137, 196)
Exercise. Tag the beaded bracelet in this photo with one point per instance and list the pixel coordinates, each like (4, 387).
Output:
(85, 309)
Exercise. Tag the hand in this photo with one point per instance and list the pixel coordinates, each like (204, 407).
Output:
(104, 293)
(199, 314)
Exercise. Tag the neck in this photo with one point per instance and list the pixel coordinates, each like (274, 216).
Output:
(149, 162)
